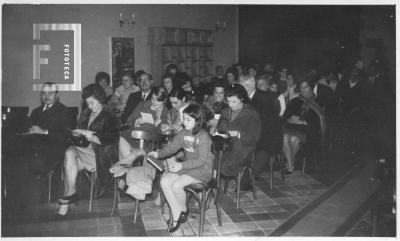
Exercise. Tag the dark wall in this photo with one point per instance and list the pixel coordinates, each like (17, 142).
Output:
(298, 36)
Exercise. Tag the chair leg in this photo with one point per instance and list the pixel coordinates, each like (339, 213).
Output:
(202, 211)
(162, 201)
(136, 210)
(216, 200)
(50, 175)
(304, 165)
(115, 197)
(253, 185)
(226, 185)
(238, 182)
(92, 182)
(271, 170)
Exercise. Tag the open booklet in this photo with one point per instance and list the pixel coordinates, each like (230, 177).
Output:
(147, 118)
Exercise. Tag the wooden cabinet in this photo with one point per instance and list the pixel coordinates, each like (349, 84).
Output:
(190, 49)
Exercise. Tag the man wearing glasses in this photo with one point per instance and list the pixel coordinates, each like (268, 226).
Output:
(146, 83)
(46, 139)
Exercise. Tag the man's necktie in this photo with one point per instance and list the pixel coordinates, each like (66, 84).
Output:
(143, 96)
(46, 107)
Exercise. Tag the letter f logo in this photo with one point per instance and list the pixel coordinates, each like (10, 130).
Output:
(37, 48)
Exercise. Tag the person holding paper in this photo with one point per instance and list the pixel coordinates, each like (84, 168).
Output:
(197, 165)
(243, 123)
(179, 101)
(151, 113)
(101, 129)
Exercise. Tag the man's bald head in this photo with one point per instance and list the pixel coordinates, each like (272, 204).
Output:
(248, 82)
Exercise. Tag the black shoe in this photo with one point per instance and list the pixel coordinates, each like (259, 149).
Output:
(74, 198)
(286, 172)
(182, 218)
(100, 192)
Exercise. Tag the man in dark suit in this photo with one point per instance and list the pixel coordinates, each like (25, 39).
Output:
(323, 91)
(46, 139)
(267, 106)
(146, 83)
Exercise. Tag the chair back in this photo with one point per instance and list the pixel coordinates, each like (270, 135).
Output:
(145, 136)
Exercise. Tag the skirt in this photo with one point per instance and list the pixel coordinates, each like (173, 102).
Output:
(295, 130)
(86, 158)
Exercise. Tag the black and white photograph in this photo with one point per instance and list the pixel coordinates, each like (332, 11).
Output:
(189, 119)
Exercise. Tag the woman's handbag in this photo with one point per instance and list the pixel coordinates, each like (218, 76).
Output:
(79, 141)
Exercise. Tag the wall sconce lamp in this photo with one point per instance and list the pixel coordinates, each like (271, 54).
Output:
(125, 21)
(219, 28)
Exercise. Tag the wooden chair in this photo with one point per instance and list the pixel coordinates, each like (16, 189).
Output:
(143, 137)
(276, 158)
(250, 168)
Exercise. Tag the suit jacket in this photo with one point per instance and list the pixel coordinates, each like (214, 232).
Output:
(106, 127)
(133, 100)
(267, 106)
(325, 96)
(56, 120)
(353, 97)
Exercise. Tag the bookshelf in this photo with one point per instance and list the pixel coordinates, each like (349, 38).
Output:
(190, 49)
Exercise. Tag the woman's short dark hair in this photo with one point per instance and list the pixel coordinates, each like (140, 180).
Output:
(195, 111)
(239, 91)
(179, 93)
(129, 74)
(232, 71)
(309, 83)
(172, 66)
(95, 91)
(102, 75)
(138, 74)
(160, 93)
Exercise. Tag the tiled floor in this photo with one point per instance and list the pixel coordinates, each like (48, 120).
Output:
(254, 217)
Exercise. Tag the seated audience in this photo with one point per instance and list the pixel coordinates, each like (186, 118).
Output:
(179, 101)
(219, 74)
(167, 83)
(253, 72)
(146, 83)
(303, 123)
(196, 167)
(353, 93)
(47, 140)
(231, 77)
(323, 91)
(155, 107)
(213, 106)
(101, 130)
(122, 92)
(103, 79)
(235, 121)
(267, 107)
(264, 82)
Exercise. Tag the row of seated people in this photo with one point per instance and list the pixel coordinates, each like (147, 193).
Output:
(230, 109)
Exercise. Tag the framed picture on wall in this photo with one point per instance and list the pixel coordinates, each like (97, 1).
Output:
(122, 58)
